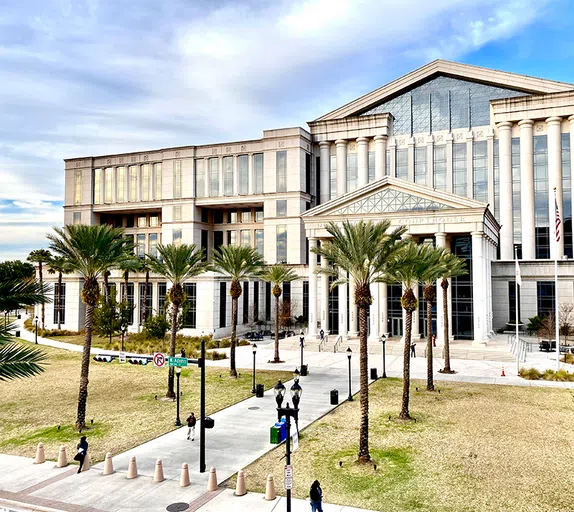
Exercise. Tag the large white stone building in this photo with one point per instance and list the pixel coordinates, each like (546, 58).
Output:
(463, 156)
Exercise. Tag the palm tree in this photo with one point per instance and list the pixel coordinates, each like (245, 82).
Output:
(59, 265)
(144, 267)
(278, 274)
(177, 263)
(364, 251)
(237, 263)
(452, 266)
(432, 273)
(409, 270)
(91, 251)
(40, 256)
(18, 361)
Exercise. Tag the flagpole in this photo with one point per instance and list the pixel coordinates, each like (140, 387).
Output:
(557, 221)
(517, 277)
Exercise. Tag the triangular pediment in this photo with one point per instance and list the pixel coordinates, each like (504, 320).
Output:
(392, 195)
(501, 79)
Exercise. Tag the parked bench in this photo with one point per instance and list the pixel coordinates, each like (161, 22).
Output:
(547, 345)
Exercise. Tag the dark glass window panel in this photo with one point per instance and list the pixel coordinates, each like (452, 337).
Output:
(246, 302)
(60, 308)
(541, 215)
(567, 195)
(545, 292)
(512, 301)
(333, 325)
(131, 300)
(161, 294)
(306, 300)
(462, 307)
(146, 309)
(190, 317)
(222, 304)
(480, 171)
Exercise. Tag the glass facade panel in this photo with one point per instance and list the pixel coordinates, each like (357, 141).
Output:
(403, 164)
(59, 303)
(259, 240)
(281, 244)
(439, 167)
(161, 294)
(546, 297)
(462, 317)
(157, 170)
(177, 236)
(232, 238)
(228, 175)
(133, 183)
(281, 172)
(371, 166)
(281, 205)
(512, 302)
(98, 178)
(190, 316)
(77, 187)
(258, 173)
(421, 165)
(130, 300)
(459, 174)
(214, 177)
(200, 177)
(140, 247)
(177, 179)
(496, 180)
(566, 195)
(541, 220)
(243, 174)
(109, 182)
(222, 304)
(121, 184)
(351, 171)
(153, 240)
(480, 170)
(245, 216)
(388, 170)
(145, 183)
(259, 215)
(147, 304)
(246, 237)
(516, 216)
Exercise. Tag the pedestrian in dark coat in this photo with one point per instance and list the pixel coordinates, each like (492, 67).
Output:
(316, 495)
(82, 452)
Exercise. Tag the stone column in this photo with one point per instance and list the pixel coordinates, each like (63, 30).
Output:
(343, 331)
(449, 143)
(380, 156)
(411, 161)
(527, 189)
(325, 172)
(469, 166)
(312, 331)
(251, 174)
(341, 166)
(478, 287)
(383, 312)
(440, 242)
(490, 164)
(430, 162)
(362, 161)
(505, 172)
(555, 181)
(374, 313)
(353, 320)
(392, 158)
(324, 297)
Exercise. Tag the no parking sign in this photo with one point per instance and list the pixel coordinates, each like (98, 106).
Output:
(158, 360)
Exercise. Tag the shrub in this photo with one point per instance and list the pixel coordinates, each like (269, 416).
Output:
(156, 326)
(216, 356)
(530, 373)
(48, 333)
(535, 323)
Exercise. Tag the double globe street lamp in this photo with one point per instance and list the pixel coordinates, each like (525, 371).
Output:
(254, 348)
(384, 341)
(36, 334)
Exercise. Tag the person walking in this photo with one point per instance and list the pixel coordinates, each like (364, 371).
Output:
(316, 495)
(413, 350)
(322, 334)
(82, 452)
(183, 352)
(191, 421)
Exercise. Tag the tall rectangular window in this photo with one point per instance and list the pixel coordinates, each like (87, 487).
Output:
(146, 306)
(246, 216)
(222, 304)
(140, 245)
(176, 237)
(541, 214)
(98, 178)
(217, 240)
(228, 175)
(246, 302)
(214, 177)
(281, 244)
(121, 184)
(388, 170)
(259, 215)
(177, 179)
(258, 173)
(281, 208)
(333, 176)
(77, 218)
(77, 187)
(133, 183)
(153, 239)
(516, 215)
(512, 301)
(546, 296)
(200, 177)
(259, 241)
(439, 167)
(109, 182)
(459, 176)
(306, 300)
(157, 170)
(130, 299)
(161, 294)
(281, 171)
(243, 174)
(567, 194)
(308, 173)
(421, 165)
(403, 164)
(480, 170)
(267, 301)
(255, 301)
(496, 179)
(371, 166)
(145, 183)
(246, 237)
(59, 303)
(232, 238)
(190, 318)
(352, 171)
(177, 213)
(205, 243)
(153, 221)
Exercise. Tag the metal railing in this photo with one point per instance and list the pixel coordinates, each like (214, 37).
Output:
(518, 347)
(338, 341)
(322, 342)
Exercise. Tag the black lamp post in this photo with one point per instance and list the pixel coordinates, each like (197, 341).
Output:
(384, 342)
(177, 420)
(279, 391)
(36, 335)
(349, 353)
(302, 345)
(296, 392)
(254, 348)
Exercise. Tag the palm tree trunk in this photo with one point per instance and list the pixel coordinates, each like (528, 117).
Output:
(126, 282)
(406, 366)
(232, 369)
(144, 311)
(59, 301)
(430, 383)
(364, 455)
(41, 282)
(444, 287)
(276, 358)
(170, 375)
(106, 286)
(83, 395)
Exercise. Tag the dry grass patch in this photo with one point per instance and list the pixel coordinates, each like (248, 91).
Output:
(121, 403)
(473, 448)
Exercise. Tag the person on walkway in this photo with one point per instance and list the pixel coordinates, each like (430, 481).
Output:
(316, 495)
(413, 350)
(322, 334)
(82, 452)
(183, 352)
(191, 421)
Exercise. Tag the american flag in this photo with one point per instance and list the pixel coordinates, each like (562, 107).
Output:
(558, 221)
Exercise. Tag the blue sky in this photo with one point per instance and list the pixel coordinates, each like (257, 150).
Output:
(89, 77)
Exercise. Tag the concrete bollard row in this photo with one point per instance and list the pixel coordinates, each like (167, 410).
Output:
(270, 488)
(158, 473)
(108, 465)
(62, 457)
(212, 481)
(184, 479)
(240, 489)
(40, 455)
(132, 468)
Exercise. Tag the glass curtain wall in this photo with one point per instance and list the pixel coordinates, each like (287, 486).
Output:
(480, 171)
(541, 220)
(462, 317)
(459, 174)
(421, 165)
(258, 173)
(516, 215)
(243, 174)
(567, 194)
(439, 167)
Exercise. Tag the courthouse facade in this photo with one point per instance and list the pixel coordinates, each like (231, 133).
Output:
(467, 158)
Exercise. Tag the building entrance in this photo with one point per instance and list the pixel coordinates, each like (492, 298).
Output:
(397, 326)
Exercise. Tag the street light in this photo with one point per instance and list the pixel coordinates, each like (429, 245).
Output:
(36, 335)
(254, 348)
(279, 391)
(302, 346)
(349, 353)
(177, 420)
(384, 341)
(296, 392)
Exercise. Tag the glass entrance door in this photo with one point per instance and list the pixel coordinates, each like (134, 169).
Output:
(397, 326)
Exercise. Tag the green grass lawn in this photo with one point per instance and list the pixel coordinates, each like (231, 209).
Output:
(472, 448)
(121, 402)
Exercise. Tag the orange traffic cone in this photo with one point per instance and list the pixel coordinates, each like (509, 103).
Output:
(503, 374)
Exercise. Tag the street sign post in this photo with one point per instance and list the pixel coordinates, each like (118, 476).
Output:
(158, 360)
(289, 477)
(122, 357)
(177, 361)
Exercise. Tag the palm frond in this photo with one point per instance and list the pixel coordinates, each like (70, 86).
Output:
(236, 262)
(278, 274)
(411, 265)
(18, 361)
(15, 294)
(177, 263)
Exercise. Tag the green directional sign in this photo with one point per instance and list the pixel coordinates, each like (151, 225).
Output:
(177, 361)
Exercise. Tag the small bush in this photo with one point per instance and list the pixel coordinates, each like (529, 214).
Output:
(216, 356)
(530, 373)
(559, 376)
(535, 323)
(156, 326)
(48, 333)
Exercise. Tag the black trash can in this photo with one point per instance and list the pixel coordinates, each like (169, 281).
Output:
(303, 370)
(374, 374)
(259, 390)
(17, 334)
(209, 422)
(334, 397)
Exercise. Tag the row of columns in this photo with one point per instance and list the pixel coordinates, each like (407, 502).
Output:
(554, 133)
(362, 163)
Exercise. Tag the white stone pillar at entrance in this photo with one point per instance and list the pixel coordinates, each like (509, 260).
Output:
(374, 313)
(324, 297)
(325, 172)
(353, 321)
(490, 165)
(380, 156)
(411, 161)
(440, 242)
(505, 165)
(392, 170)
(341, 166)
(527, 189)
(312, 330)
(383, 312)
(343, 331)
(362, 161)
(555, 180)
(478, 287)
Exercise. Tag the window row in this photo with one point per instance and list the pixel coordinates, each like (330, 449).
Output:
(124, 184)
(217, 216)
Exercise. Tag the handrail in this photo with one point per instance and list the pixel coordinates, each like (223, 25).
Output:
(338, 341)
(322, 342)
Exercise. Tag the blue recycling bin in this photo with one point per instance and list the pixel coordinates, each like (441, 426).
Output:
(283, 426)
